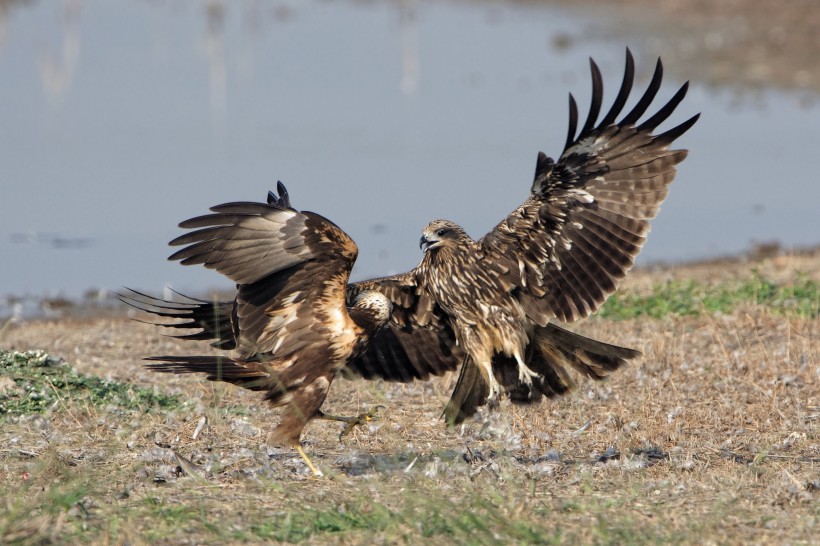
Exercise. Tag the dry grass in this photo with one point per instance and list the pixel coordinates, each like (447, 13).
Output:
(737, 44)
(710, 438)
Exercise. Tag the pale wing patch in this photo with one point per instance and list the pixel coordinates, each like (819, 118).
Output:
(245, 242)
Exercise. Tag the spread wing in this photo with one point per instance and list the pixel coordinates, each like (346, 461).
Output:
(587, 215)
(291, 270)
(213, 320)
(417, 342)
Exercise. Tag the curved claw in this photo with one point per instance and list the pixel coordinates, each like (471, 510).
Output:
(493, 401)
(316, 472)
(362, 419)
(353, 422)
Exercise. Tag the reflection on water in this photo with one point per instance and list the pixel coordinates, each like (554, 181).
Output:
(57, 68)
(120, 119)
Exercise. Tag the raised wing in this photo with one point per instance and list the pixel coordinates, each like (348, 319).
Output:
(587, 215)
(291, 270)
(417, 342)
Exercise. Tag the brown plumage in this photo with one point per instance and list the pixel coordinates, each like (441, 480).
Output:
(290, 326)
(486, 305)
(558, 255)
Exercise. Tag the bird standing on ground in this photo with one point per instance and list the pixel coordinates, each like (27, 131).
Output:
(484, 305)
(289, 326)
(557, 256)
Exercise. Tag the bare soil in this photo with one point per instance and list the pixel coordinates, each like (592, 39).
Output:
(711, 438)
(739, 44)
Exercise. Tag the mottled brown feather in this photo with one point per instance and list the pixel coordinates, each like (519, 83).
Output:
(418, 340)
(290, 324)
(574, 238)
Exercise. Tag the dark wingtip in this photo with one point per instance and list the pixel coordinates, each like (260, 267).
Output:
(283, 199)
(573, 121)
(669, 136)
(176, 255)
(623, 92)
(666, 111)
(543, 165)
(597, 98)
(652, 89)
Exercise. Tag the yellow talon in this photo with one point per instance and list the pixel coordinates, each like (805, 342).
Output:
(308, 462)
(352, 422)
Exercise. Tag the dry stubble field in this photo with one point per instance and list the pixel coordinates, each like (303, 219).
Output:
(710, 438)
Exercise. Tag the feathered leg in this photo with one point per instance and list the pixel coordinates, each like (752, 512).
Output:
(301, 406)
(471, 392)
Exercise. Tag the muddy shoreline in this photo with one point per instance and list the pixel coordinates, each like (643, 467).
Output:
(740, 45)
(778, 264)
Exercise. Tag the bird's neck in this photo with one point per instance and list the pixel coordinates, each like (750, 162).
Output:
(448, 258)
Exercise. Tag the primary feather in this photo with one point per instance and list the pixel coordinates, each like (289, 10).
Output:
(290, 326)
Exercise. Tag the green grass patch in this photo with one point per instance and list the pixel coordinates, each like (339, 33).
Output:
(32, 382)
(50, 505)
(476, 521)
(688, 298)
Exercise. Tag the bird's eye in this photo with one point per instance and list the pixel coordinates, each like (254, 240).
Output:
(441, 232)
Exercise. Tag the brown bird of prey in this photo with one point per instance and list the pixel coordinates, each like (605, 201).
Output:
(289, 326)
(485, 305)
(557, 256)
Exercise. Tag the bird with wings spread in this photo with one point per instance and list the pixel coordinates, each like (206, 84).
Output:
(485, 306)
(559, 255)
(289, 326)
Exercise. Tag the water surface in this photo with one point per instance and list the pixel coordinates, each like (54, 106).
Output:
(121, 118)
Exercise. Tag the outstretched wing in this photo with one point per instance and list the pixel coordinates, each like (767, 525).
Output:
(417, 342)
(587, 215)
(291, 270)
(213, 320)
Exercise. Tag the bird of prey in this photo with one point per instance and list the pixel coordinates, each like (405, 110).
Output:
(559, 255)
(290, 326)
(483, 305)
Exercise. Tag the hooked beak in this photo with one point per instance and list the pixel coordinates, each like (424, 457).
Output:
(424, 244)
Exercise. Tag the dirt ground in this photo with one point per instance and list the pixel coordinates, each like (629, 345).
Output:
(737, 44)
(710, 438)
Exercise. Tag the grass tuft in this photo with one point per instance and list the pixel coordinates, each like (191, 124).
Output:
(32, 382)
(691, 298)
(711, 437)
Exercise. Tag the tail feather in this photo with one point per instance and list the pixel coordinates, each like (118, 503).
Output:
(301, 404)
(469, 394)
(250, 375)
(552, 352)
(589, 357)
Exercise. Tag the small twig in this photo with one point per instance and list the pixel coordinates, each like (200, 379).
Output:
(410, 466)
(200, 426)
(189, 468)
(68, 411)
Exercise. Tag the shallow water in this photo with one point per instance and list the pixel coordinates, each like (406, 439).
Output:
(120, 119)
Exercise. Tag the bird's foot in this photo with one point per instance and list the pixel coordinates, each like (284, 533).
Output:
(316, 472)
(493, 401)
(494, 396)
(352, 422)
(526, 375)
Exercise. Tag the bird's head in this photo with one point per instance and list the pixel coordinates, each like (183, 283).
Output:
(441, 234)
(376, 305)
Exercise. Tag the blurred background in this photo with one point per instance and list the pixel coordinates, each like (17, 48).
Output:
(120, 118)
